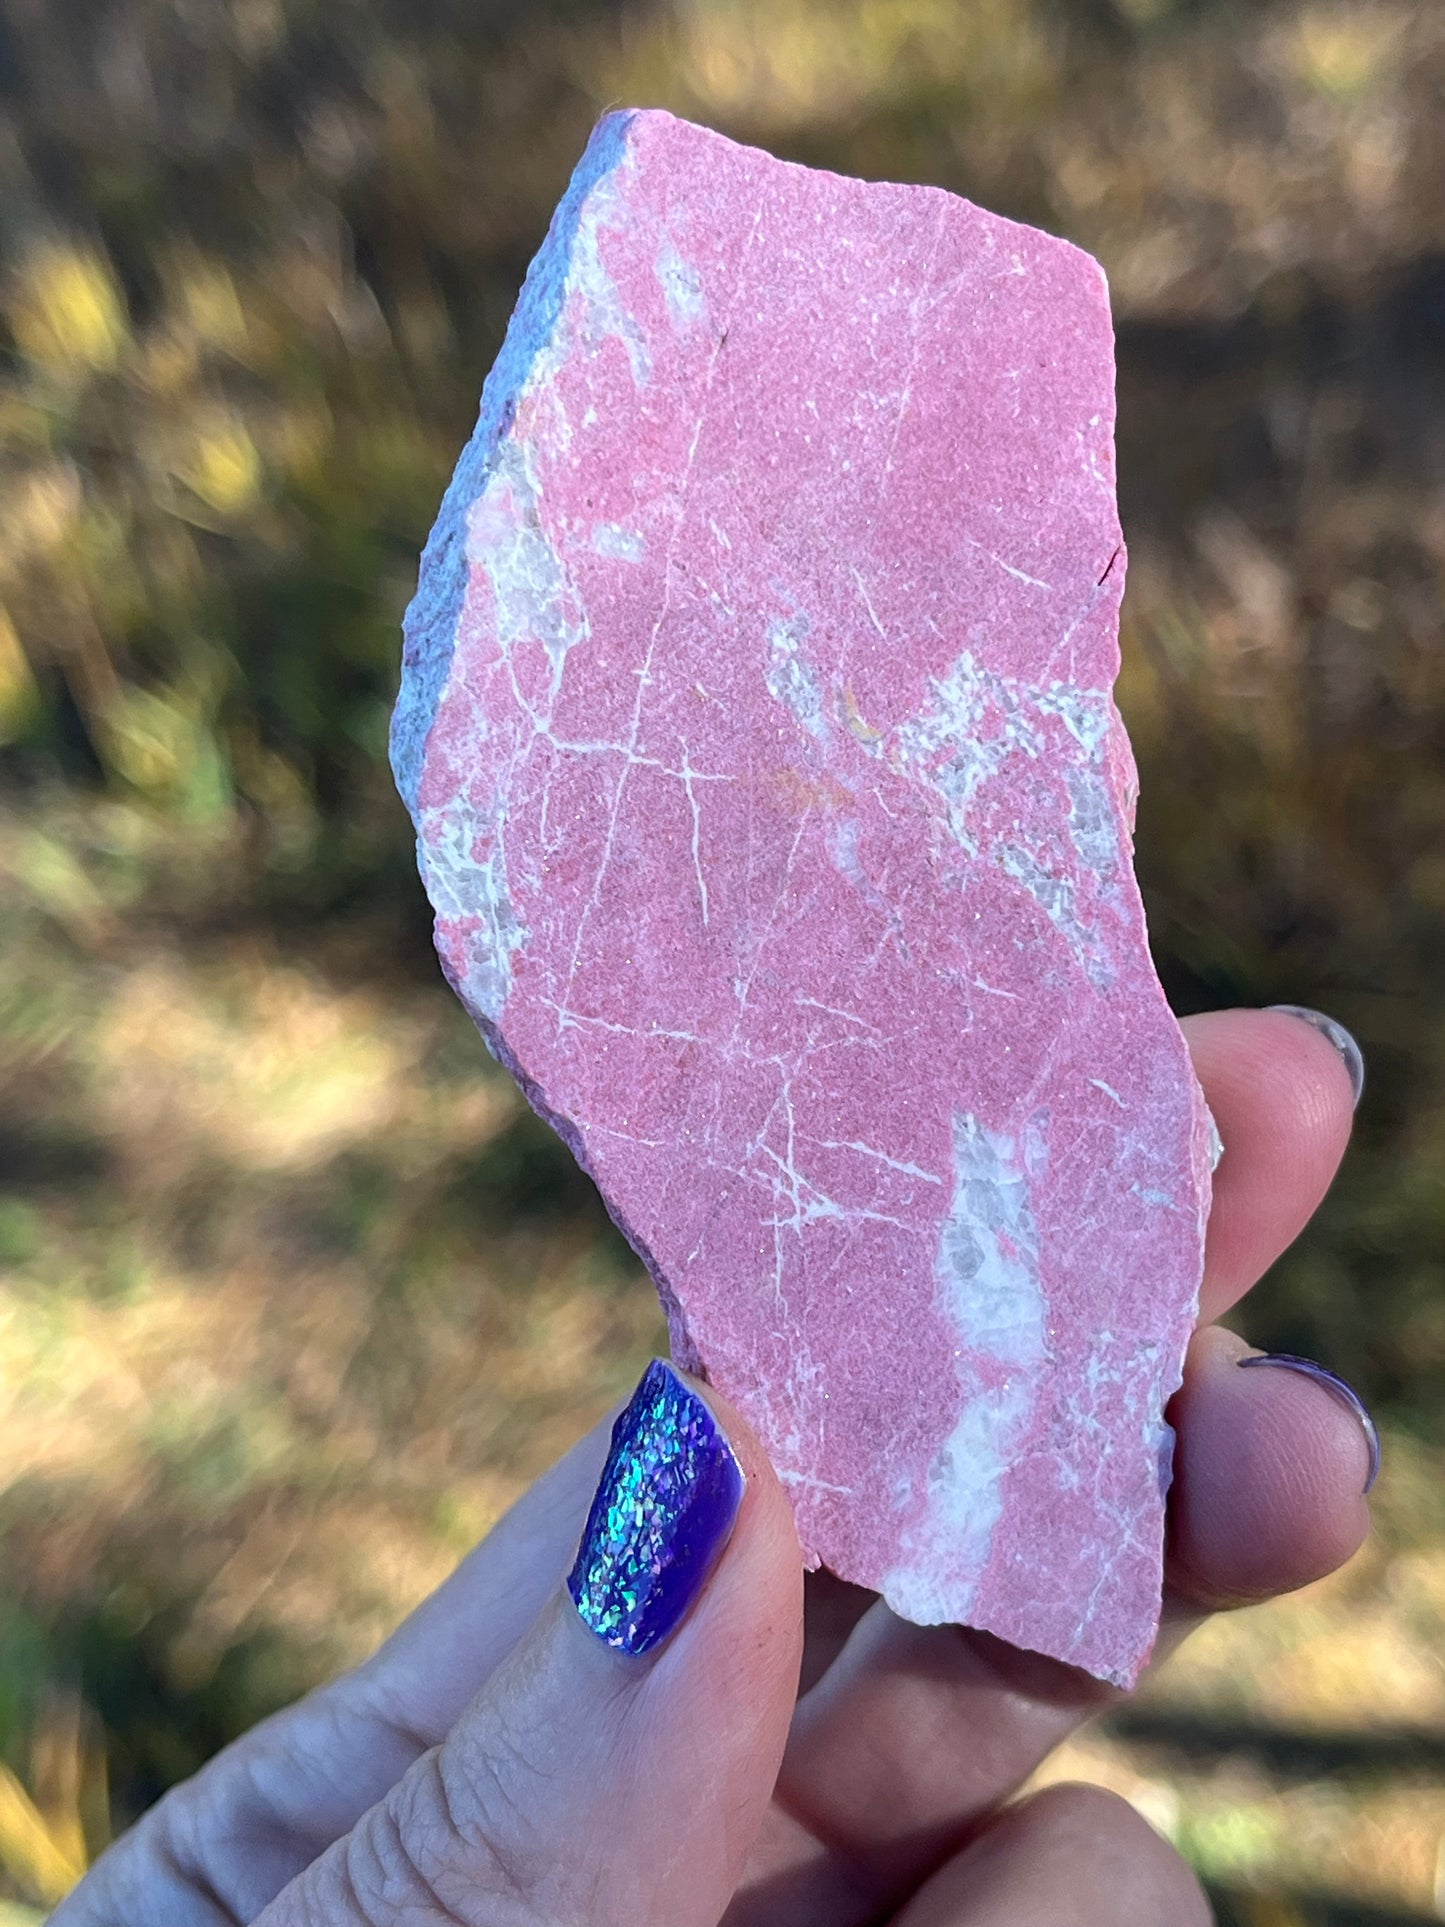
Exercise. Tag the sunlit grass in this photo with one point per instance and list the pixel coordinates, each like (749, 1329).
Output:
(65, 310)
(52, 1827)
(268, 1354)
(793, 64)
(1346, 52)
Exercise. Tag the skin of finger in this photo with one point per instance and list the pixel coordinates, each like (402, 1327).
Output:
(584, 1785)
(424, 1675)
(1269, 1479)
(832, 1608)
(916, 1734)
(124, 1889)
(1072, 1856)
(1282, 1100)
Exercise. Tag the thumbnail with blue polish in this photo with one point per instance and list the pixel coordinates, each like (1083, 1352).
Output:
(665, 1506)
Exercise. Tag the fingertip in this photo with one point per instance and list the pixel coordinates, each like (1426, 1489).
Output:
(1341, 1041)
(1270, 1475)
(1338, 1388)
(1283, 1098)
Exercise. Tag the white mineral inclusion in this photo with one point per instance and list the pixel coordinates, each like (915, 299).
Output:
(791, 678)
(532, 595)
(604, 312)
(978, 721)
(682, 286)
(618, 544)
(987, 1272)
(460, 885)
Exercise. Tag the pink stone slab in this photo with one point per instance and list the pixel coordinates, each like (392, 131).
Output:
(757, 725)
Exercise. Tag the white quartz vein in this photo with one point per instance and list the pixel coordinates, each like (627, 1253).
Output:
(687, 775)
(1019, 575)
(882, 1157)
(868, 602)
(915, 310)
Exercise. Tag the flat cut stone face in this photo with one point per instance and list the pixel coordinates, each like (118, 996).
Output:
(757, 725)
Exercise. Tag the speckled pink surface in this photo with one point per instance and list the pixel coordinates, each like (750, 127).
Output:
(758, 729)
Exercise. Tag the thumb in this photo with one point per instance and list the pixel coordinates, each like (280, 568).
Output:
(616, 1767)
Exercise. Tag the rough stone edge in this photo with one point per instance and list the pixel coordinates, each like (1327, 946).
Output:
(431, 621)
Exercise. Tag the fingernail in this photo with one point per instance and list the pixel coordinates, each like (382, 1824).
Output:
(665, 1506)
(1332, 1382)
(1344, 1043)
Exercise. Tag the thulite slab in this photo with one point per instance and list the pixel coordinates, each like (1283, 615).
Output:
(757, 725)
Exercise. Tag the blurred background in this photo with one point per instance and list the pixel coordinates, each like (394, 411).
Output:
(294, 1293)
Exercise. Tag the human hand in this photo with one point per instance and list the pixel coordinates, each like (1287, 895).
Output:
(497, 1764)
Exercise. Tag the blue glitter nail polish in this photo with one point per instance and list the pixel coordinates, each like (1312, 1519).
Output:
(665, 1505)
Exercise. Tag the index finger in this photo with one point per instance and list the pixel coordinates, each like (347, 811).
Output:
(1283, 1099)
